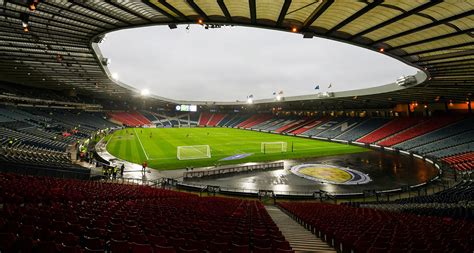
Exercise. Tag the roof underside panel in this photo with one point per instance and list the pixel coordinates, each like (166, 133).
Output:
(238, 8)
(57, 52)
(211, 8)
(339, 11)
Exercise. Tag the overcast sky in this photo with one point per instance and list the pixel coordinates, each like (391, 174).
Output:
(230, 63)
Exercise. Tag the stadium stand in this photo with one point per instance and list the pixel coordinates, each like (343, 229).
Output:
(340, 128)
(60, 215)
(236, 120)
(440, 146)
(326, 125)
(133, 119)
(439, 134)
(215, 119)
(461, 162)
(282, 124)
(292, 125)
(456, 202)
(305, 127)
(422, 128)
(363, 129)
(269, 124)
(351, 229)
(204, 118)
(392, 127)
(226, 120)
(254, 120)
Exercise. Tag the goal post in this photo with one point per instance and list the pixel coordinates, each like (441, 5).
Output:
(273, 147)
(193, 152)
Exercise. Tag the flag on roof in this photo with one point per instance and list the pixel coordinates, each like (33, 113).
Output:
(330, 85)
(317, 87)
(274, 93)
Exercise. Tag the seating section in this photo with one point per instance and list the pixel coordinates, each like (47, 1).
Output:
(204, 118)
(357, 230)
(461, 162)
(422, 128)
(133, 119)
(237, 120)
(363, 129)
(325, 126)
(392, 127)
(449, 146)
(215, 119)
(307, 126)
(282, 125)
(337, 130)
(59, 215)
(226, 120)
(269, 124)
(439, 134)
(293, 125)
(456, 202)
(254, 120)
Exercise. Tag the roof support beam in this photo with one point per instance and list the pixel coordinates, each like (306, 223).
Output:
(81, 4)
(441, 48)
(397, 18)
(42, 10)
(445, 63)
(424, 27)
(316, 13)
(225, 10)
(284, 10)
(119, 6)
(453, 66)
(354, 16)
(253, 11)
(432, 39)
(51, 3)
(158, 9)
(197, 9)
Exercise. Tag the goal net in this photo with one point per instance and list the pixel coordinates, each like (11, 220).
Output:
(193, 152)
(273, 147)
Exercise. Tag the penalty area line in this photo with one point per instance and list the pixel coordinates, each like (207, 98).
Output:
(144, 152)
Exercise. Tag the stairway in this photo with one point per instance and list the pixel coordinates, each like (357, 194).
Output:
(300, 239)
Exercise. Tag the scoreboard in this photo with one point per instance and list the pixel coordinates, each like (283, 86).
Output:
(186, 108)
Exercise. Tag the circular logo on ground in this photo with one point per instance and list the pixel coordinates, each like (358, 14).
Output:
(330, 174)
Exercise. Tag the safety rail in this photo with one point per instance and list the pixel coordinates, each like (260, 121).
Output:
(217, 171)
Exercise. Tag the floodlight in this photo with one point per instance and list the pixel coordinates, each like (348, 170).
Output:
(145, 92)
(278, 97)
(249, 101)
(106, 61)
(115, 76)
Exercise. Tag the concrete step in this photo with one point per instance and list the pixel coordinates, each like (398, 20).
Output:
(300, 239)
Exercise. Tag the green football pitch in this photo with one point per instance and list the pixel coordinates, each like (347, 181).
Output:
(158, 146)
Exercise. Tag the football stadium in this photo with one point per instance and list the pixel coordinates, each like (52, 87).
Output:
(262, 145)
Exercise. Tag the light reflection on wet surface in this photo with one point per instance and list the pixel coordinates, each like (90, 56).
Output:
(387, 171)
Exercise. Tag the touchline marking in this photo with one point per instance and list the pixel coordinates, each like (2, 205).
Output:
(140, 143)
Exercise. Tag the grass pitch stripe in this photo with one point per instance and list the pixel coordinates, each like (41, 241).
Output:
(141, 144)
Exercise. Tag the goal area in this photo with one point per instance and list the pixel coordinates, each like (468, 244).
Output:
(273, 147)
(193, 152)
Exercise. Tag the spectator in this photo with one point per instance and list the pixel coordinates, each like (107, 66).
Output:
(122, 168)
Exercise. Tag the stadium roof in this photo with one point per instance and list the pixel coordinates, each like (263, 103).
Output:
(59, 51)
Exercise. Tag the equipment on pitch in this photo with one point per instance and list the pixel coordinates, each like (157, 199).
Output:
(193, 152)
(273, 147)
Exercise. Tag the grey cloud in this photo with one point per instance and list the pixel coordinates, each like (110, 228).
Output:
(228, 64)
